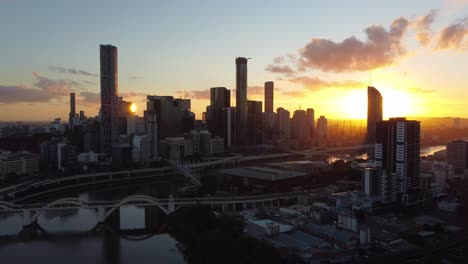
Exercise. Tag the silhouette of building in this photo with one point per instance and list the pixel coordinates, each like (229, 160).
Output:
(283, 123)
(255, 123)
(457, 157)
(457, 123)
(109, 100)
(269, 91)
(216, 117)
(310, 115)
(322, 130)
(241, 101)
(300, 128)
(374, 112)
(167, 117)
(72, 114)
(397, 154)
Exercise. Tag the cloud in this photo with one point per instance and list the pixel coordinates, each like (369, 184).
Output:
(194, 94)
(422, 26)
(134, 77)
(279, 60)
(294, 93)
(132, 94)
(90, 98)
(314, 83)
(59, 69)
(280, 69)
(381, 48)
(452, 36)
(421, 91)
(45, 90)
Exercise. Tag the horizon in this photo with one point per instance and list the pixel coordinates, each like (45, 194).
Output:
(410, 54)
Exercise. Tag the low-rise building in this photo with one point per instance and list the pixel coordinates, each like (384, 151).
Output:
(20, 163)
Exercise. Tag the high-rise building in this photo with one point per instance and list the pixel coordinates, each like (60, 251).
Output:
(322, 130)
(374, 112)
(310, 115)
(216, 119)
(283, 123)
(269, 91)
(370, 182)
(109, 98)
(72, 114)
(254, 123)
(299, 127)
(457, 123)
(457, 156)
(241, 101)
(397, 154)
(220, 97)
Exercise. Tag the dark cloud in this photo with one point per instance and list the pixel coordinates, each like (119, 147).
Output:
(280, 69)
(314, 83)
(422, 26)
(381, 48)
(45, 90)
(59, 69)
(453, 36)
(90, 98)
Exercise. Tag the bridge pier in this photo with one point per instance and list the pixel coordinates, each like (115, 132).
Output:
(171, 206)
(223, 207)
(27, 218)
(101, 214)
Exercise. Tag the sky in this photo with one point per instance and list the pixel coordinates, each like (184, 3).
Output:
(320, 54)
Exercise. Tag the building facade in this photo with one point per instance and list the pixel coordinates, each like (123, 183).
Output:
(374, 112)
(241, 102)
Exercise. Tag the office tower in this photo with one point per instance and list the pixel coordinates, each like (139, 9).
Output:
(241, 101)
(370, 182)
(167, 117)
(269, 90)
(82, 116)
(322, 130)
(310, 115)
(72, 114)
(220, 97)
(109, 99)
(457, 157)
(254, 123)
(374, 112)
(216, 119)
(283, 123)
(397, 154)
(123, 111)
(299, 127)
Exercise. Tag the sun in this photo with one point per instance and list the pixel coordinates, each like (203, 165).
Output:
(133, 108)
(396, 103)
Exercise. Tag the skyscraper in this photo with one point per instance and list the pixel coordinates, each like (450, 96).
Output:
(109, 98)
(269, 90)
(374, 112)
(322, 130)
(283, 123)
(299, 127)
(457, 157)
(254, 123)
(216, 118)
(241, 101)
(310, 115)
(397, 154)
(72, 114)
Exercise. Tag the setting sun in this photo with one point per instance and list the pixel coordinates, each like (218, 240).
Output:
(133, 108)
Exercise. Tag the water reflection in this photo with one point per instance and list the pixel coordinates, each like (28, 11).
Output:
(10, 224)
(138, 235)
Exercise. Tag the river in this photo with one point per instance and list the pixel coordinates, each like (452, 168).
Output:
(65, 237)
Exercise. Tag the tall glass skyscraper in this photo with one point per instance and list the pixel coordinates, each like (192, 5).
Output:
(374, 112)
(109, 98)
(241, 101)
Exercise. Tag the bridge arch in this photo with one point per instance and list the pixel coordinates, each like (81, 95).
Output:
(137, 198)
(63, 201)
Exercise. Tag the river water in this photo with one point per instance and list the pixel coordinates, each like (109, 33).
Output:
(65, 237)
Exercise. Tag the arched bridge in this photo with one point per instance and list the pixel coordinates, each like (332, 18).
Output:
(104, 209)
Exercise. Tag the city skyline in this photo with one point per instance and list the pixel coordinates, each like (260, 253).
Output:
(418, 41)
